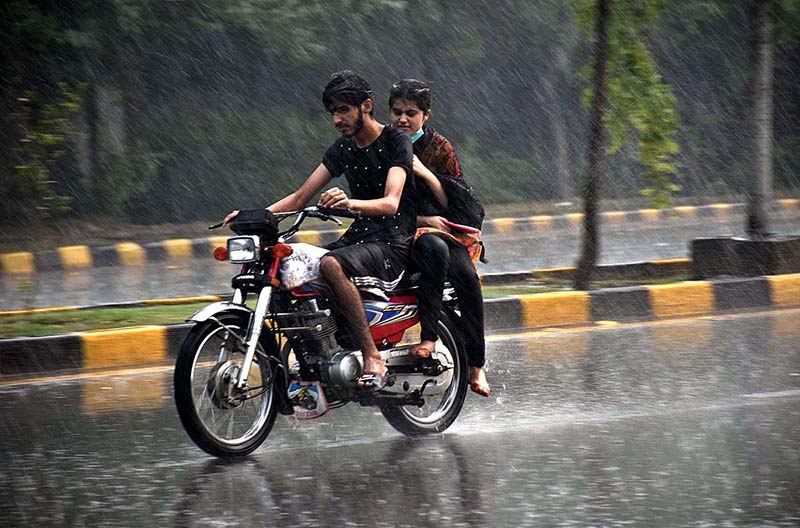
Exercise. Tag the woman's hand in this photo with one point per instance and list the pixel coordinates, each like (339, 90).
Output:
(230, 217)
(334, 197)
(421, 170)
(437, 222)
(430, 179)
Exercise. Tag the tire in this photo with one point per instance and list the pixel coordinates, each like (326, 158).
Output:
(439, 412)
(218, 422)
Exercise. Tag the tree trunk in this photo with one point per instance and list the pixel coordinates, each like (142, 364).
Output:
(761, 192)
(590, 249)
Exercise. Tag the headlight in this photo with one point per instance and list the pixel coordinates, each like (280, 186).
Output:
(243, 249)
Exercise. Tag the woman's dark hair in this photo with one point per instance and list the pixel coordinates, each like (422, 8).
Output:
(347, 87)
(418, 92)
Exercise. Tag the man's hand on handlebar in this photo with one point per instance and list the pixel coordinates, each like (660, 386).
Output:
(230, 217)
(334, 197)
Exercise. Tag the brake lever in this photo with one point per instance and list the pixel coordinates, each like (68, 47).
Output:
(325, 217)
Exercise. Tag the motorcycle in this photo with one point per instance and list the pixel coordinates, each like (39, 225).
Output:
(289, 351)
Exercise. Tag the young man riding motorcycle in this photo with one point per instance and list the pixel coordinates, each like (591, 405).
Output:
(377, 162)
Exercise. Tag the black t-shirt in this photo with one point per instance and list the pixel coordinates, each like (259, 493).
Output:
(366, 170)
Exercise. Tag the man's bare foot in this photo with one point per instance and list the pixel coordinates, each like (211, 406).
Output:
(424, 349)
(374, 375)
(478, 383)
(374, 365)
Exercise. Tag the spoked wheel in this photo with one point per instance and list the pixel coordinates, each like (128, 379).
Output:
(220, 418)
(439, 410)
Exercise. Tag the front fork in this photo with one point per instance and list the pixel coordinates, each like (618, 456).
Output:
(254, 333)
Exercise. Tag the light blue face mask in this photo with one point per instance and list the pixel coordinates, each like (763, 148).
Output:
(418, 134)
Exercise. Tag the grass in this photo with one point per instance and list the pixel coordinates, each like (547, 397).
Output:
(93, 319)
(33, 325)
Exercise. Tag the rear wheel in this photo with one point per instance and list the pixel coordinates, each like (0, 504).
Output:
(221, 419)
(440, 410)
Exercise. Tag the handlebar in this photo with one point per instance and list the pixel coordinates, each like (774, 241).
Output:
(323, 213)
(340, 212)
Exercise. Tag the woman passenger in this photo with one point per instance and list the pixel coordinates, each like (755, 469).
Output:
(436, 252)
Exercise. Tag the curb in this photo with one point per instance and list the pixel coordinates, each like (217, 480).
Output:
(133, 254)
(157, 345)
(654, 269)
(648, 270)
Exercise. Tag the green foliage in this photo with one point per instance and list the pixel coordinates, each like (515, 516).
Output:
(46, 123)
(205, 105)
(499, 177)
(641, 107)
(128, 175)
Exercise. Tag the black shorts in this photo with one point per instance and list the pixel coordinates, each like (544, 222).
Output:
(373, 264)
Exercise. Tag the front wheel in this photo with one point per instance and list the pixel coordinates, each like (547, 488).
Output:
(439, 411)
(221, 419)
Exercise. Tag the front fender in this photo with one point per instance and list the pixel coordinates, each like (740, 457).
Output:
(206, 312)
(282, 385)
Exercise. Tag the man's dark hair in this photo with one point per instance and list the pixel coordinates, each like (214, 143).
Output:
(418, 92)
(346, 87)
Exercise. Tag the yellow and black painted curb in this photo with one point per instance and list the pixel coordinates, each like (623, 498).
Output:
(158, 345)
(133, 254)
(640, 271)
(121, 254)
(649, 270)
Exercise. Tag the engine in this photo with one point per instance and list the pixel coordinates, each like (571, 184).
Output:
(312, 331)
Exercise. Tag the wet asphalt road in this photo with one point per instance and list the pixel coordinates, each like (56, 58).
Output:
(692, 423)
(506, 252)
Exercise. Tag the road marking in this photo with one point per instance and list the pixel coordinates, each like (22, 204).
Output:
(130, 254)
(721, 210)
(75, 257)
(542, 223)
(183, 300)
(504, 225)
(650, 215)
(215, 242)
(17, 263)
(178, 248)
(32, 311)
(576, 219)
(124, 346)
(681, 299)
(556, 308)
(309, 237)
(785, 289)
(613, 217)
(686, 211)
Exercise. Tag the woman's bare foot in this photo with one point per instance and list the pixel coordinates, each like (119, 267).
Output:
(424, 349)
(478, 383)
